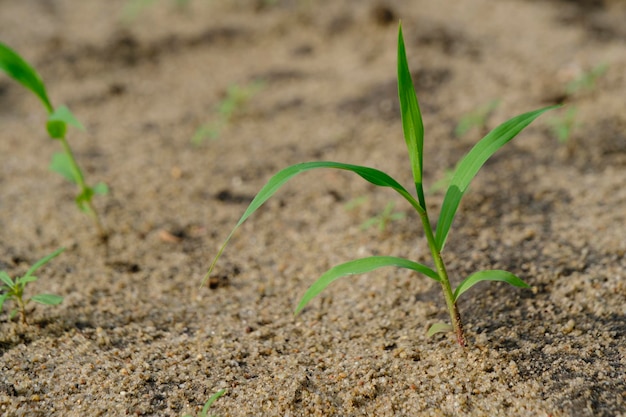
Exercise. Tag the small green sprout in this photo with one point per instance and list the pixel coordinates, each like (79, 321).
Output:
(237, 98)
(59, 118)
(13, 290)
(207, 405)
(562, 126)
(383, 219)
(465, 171)
(586, 81)
(477, 118)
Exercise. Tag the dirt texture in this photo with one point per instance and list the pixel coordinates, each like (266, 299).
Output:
(137, 335)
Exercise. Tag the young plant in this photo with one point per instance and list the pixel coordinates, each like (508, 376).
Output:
(59, 118)
(586, 81)
(465, 171)
(562, 126)
(13, 290)
(237, 97)
(207, 405)
(477, 118)
(382, 220)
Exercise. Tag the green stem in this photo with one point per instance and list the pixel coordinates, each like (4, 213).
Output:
(455, 316)
(80, 180)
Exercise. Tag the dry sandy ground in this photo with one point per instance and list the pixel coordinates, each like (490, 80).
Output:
(136, 335)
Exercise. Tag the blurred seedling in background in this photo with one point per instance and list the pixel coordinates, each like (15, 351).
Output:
(59, 118)
(133, 8)
(476, 119)
(586, 82)
(465, 171)
(13, 289)
(207, 405)
(235, 102)
(562, 125)
(382, 220)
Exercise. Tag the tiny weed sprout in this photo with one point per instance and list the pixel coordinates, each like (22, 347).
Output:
(59, 118)
(586, 81)
(382, 220)
(465, 171)
(237, 98)
(13, 289)
(562, 126)
(477, 118)
(207, 405)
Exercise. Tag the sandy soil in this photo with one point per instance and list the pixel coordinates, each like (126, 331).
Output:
(136, 335)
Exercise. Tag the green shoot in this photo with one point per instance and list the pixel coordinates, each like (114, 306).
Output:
(207, 405)
(586, 81)
(477, 118)
(465, 171)
(383, 219)
(59, 118)
(562, 126)
(237, 98)
(13, 289)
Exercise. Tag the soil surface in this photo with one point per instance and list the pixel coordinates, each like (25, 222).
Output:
(137, 335)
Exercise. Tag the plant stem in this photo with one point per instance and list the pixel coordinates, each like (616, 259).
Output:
(80, 180)
(455, 316)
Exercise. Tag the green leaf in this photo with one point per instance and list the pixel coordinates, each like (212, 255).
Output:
(361, 266)
(439, 328)
(372, 175)
(6, 279)
(56, 129)
(84, 198)
(469, 166)
(3, 298)
(47, 299)
(25, 280)
(63, 114)
(411, 118)
(100, 188)
(43, 261)
(61, 164)
(18, 69)
(490, 275)
(210, 401)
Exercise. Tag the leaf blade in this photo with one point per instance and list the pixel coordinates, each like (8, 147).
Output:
(360, 266)
(471, 163)
(47, 299)
(489, 275)
(21, 71)
(371, 175)
(412, 124)
(43, 261)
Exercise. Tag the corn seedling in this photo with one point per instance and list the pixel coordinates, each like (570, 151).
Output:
(59, 118)
(13, 289)
(586, 81)
(382, 220)
(477, 118)
(237, 98)
(562, 126)
(465, 171)
(207, 405)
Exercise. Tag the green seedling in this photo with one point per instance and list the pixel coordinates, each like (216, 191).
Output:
(59, 118)
(476, 119)
(13, 289)
(465, 171)
(382, 220)
(586, 81)
(562, 126)
(207, 405)
(236, 100)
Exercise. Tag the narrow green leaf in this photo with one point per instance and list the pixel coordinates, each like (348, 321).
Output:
(47, 299)
(411, 118)
(43, 261)
(439, 328)
(372, 175)
(361, 266)
(18, 69)
(469, 166)
(25, 280)
(210, 401)
(4, 277)
(3, 298)
(63, 114)
(61, 165)
(490, 275)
